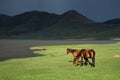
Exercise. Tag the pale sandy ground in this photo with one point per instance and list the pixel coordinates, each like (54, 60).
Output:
(21, 48)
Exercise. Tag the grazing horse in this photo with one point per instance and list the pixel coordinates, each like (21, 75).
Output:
(84, 54)
(75, 53)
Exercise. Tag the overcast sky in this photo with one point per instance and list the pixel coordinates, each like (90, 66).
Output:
(97, 10)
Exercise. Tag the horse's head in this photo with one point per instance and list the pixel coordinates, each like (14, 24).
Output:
(68, 50)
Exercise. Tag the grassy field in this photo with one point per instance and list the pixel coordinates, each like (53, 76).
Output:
(55, 64)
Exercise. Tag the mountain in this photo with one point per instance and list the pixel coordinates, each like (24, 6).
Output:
(44, 25)
(28, 22)
(113, 21)
(36, 20)
(73, 16)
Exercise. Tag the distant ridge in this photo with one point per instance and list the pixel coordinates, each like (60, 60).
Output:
(44, 25)
(113, 21)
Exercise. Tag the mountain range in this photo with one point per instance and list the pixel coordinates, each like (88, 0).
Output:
(44, 25)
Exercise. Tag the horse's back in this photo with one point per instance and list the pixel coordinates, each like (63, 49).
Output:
(84, 53)
(76, 53)
(87, 53)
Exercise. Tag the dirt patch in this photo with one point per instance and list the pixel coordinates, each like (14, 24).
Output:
(116, 56)
(38, 49)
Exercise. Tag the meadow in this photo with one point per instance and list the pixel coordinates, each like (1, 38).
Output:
(55, 64)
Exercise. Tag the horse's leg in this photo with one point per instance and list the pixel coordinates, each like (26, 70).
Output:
(93, 62)
(86, 61)
(82, 62)
(89, 62)
(76, 61)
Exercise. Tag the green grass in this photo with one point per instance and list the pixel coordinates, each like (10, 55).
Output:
(56, 65)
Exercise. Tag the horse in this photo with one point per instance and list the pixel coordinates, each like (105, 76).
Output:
(86, 54)
(83, 53)
(75, 53)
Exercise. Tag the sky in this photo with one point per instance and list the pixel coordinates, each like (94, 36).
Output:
(97, 10)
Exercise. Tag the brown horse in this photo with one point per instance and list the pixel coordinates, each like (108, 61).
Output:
(84, 54)
(75, 53)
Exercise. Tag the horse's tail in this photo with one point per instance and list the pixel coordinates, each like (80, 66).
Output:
(92, 51)
(93, 58)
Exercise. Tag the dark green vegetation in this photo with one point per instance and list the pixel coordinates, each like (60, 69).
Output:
(43, 25)
(57, 65)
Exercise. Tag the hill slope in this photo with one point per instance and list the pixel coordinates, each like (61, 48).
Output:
(3, 17)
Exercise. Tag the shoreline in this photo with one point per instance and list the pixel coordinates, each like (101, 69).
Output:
(21, 48)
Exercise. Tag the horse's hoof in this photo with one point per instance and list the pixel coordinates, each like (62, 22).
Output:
(76, 65)
(92, 65)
